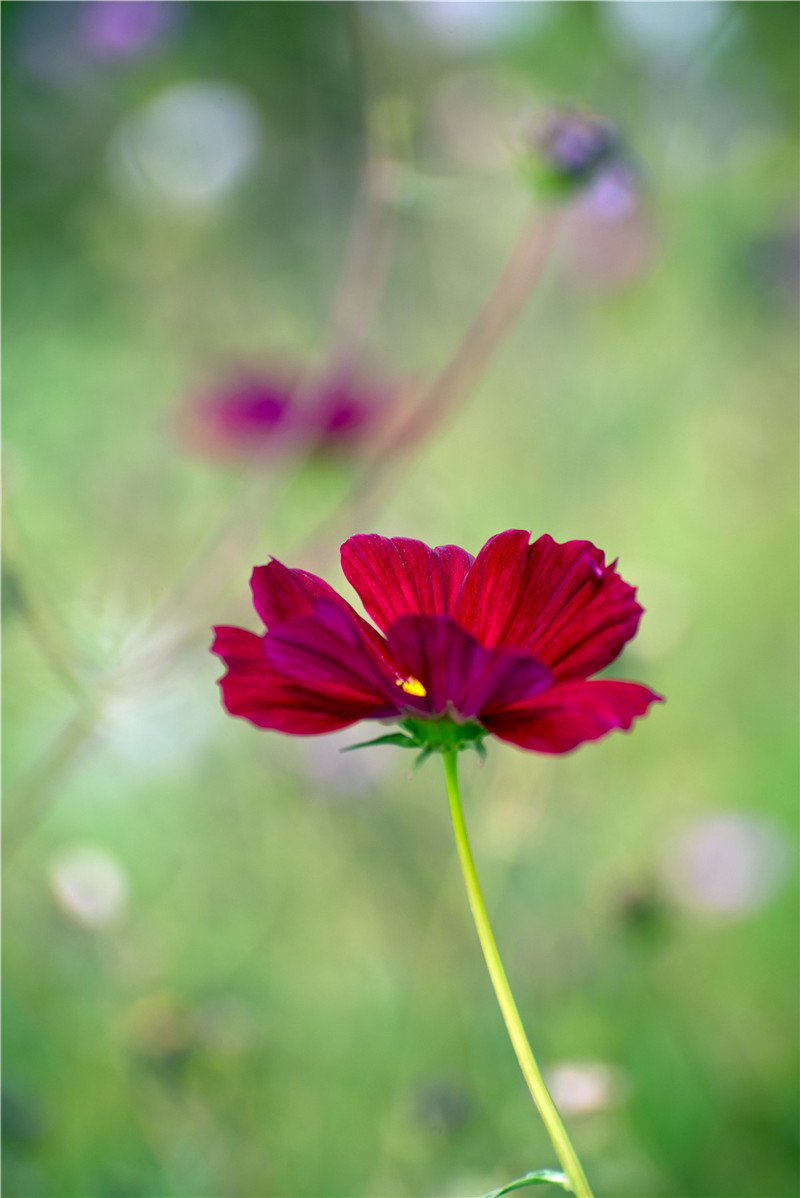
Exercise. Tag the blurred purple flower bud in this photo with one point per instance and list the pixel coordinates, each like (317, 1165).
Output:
(614, 193)
(124, 28)
(574, 145)
(613, 237)
(58, 44)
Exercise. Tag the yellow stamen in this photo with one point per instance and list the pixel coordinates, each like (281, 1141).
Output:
(412, 686)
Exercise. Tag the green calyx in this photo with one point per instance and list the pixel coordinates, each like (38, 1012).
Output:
(441, 735)
(550, 183)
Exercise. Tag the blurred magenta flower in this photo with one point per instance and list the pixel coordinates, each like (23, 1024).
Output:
(504, 643)
(257, 413)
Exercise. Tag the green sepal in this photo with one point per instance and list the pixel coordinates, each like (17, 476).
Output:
(423, 757)
(541, 1177)
(443, 734)
(431, 736)
(393, 738)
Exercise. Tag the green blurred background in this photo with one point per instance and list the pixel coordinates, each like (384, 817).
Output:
(238, 964)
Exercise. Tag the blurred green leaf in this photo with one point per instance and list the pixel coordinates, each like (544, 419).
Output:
(542, 1177)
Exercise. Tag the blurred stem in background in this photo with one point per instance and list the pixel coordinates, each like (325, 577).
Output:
(527, 1062)
(521, 272)
(23, 592)
(367, 261)
(518, 278)
(32, 793)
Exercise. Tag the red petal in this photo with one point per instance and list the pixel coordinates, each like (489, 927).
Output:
(455, 670)
(330, 664)
(252, 690)
(398, 577)
(239, 647)
(570, 713)
(560, 603)
(280, 594)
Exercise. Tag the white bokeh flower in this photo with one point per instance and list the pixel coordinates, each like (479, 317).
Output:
(585, 1087)
(89, 885)
(190, 146)
(728, 864)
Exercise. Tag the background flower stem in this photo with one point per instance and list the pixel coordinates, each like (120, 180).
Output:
(519, 277)
(527, 1062)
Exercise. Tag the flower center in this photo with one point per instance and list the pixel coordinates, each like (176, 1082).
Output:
(412, 686)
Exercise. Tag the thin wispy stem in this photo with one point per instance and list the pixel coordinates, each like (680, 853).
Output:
(521, 273)
(23, 592)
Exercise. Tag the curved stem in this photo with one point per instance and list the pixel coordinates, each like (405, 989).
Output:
(519, 276)
(527, 1062)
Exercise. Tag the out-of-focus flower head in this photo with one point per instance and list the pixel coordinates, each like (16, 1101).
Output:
(253, 414)
(580, 156)
(89, 886)
(614, 192)
(504, 643)
(60, 43)
(613, 238)
(189, 148)
(664, 32)
(586, 1087)
(729, 864)
(462, 26)
(568, 150)
(124, 28)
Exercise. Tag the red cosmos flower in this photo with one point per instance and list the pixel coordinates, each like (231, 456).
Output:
(503, 644)
(254, 413)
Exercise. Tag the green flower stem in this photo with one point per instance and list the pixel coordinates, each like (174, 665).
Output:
(530, 1070)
